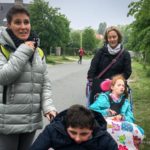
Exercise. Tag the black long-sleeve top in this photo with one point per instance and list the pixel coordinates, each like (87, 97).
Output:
(103, 58)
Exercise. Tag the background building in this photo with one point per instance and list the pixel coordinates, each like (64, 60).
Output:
(5, 5)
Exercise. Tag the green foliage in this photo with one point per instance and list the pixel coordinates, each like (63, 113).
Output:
(74, 43)
(89, 39)
(53, 60)
(140, 35)
(52, 27)
(125, 31)
(148, 72)
(135, 8)
(141, 95)
(75, 39)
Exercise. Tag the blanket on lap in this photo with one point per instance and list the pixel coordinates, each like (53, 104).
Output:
(128, 135)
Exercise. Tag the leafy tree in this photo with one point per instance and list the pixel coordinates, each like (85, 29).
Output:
(140, 27)
(61, 30)
(51, 26)
(89, 39)
(125, 31)
(102, 28)
(75, 39)
(74, 43)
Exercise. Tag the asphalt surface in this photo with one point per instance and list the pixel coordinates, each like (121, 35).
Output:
(68, 85)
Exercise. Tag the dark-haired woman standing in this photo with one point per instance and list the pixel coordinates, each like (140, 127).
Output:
(25, 89)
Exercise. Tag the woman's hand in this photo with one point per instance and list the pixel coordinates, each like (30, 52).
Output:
(30, 44)
(112, 112)
(51, 115)
(118, 118)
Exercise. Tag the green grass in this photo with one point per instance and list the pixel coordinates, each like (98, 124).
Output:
(59, 59)
(51, 59)
(141, 98)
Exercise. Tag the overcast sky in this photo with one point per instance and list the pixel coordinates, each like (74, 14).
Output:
(85, 13)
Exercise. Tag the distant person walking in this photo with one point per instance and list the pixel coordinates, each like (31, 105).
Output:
(81, 53)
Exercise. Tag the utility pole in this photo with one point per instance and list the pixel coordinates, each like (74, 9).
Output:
(81, 39)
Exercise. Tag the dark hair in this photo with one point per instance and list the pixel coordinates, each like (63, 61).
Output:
(112, 28)
(15, 10)
(79, 116)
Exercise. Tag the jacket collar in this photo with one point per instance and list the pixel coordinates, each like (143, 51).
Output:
(5, 39)
(11, 42)
(100, 124)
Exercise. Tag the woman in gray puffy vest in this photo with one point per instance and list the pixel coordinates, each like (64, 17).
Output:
(25, 90)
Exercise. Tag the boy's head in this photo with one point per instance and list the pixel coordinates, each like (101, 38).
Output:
(79, 123)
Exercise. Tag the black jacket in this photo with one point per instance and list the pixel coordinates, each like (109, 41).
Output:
(102, 59)
(55, 136)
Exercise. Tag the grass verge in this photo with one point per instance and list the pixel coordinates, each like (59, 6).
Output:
(141, 97)
(51, 59)
(59, 59)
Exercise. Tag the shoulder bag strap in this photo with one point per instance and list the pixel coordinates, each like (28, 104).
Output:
(112, 62)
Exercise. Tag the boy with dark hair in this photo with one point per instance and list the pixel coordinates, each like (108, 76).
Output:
(76, 128)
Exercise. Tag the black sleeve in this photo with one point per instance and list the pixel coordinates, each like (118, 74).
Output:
(43, 141)
(94, 65)
(111, 143)
(127, 65)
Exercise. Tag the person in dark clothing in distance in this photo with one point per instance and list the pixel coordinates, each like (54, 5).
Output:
(76, 128)
(104, 57)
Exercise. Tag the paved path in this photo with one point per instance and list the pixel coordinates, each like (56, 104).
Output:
(68, 84)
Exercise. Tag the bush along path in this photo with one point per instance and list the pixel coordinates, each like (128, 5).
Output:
(140, 84)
